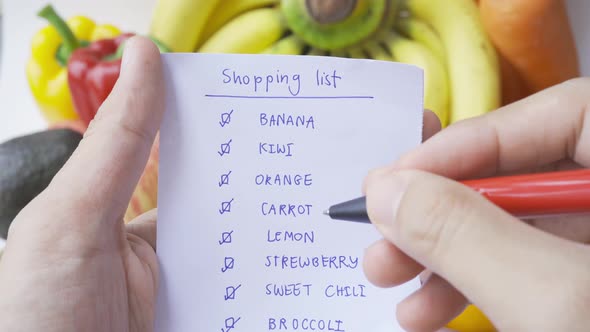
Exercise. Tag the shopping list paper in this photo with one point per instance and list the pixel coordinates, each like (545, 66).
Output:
(253, 149)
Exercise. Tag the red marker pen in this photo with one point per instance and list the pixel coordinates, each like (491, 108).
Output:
(524, 196)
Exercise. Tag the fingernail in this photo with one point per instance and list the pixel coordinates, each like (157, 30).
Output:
(424, 276)
(384, 197)
(125, 57)
(374, 173)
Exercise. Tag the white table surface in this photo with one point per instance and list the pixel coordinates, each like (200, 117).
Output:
(18, 113)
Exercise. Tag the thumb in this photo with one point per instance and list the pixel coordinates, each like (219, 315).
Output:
(105, 169)
(485, 253)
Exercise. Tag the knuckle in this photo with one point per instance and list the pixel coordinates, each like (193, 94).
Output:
(578, 82)
(374, 176)
(378, 173)
(437, 223)
(572, 299)
(120, 122)
(580, 287)
(128, 129)
(126, 112)
(134, 103)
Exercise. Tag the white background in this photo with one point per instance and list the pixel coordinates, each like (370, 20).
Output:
(18, 113)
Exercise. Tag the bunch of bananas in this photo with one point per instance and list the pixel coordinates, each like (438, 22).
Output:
(444, 38)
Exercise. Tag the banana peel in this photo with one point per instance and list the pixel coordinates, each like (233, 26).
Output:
(251, 33)
(227, 10)
(179, 24)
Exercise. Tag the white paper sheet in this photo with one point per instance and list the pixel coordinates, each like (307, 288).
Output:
(245, 173)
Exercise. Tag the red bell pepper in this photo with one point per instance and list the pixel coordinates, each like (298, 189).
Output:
(93, 68)
(92, 73)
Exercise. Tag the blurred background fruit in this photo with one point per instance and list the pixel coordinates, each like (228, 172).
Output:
(535, 38)
(471, 320)
(47, 71)
(28, 165)
(447, 39)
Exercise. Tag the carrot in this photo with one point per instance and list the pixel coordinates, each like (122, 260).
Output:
(535, 38)
(513, 85)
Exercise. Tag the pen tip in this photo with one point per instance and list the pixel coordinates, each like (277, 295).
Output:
(327, 212)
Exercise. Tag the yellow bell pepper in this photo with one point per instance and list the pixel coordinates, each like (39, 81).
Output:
(47, 71)
(471, 320)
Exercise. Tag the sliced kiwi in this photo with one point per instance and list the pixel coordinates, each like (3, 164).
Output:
(336, 24)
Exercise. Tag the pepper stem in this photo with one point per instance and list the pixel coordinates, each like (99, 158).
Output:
(70, 42)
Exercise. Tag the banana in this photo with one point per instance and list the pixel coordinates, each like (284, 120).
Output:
(356, 53)
(436, 90)
(179, 23)
(472, 61)
(377, 52)
(291, 45)
(316, 51)
(251, 32)
(226, 10)
(338, 53)
(422, 32)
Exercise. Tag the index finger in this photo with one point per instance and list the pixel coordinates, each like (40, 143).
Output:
(546, 127)
(100, 177)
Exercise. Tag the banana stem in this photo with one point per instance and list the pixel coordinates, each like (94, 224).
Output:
(330, 11)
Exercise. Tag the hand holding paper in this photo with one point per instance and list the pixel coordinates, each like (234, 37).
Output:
(70, 263)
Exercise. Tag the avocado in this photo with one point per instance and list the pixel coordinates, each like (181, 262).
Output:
(27, 166)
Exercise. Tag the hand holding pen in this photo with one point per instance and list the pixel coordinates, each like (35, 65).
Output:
(529, 275)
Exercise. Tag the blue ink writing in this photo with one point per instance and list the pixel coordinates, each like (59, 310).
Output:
(286, 120)
(228, 264)
(230, 324)
(282, 149)
(345, 291)
(225, 237)
(288, 210)
(301, 262)
(329, 79)
(297, 289)
(283, 180)
(225, 118)
(288, 236)
(228, 96)
(304, 324)
(264, 82)
(224, 179)
(230, 292)
(226, 207)
(225, 148)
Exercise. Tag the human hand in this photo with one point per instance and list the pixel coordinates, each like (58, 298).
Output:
(70, 262)
(525, 276)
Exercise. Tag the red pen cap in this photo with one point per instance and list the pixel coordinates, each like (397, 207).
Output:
(537, 195)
